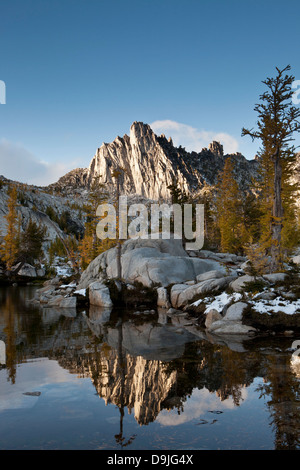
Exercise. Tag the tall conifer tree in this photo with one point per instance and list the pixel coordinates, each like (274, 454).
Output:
(278, 119)
(10, 245)
(90, 246)
(229, 211)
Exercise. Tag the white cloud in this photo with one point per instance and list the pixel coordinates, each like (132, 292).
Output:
(32, 376)
(193, 139)
(198, 406)
(19, 164)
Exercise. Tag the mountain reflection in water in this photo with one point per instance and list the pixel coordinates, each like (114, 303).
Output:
(156, 370)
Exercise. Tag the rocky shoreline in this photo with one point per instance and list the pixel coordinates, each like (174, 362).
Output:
(211, 291)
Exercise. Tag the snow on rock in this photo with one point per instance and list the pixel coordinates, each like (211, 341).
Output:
(219, 301)
(277, 305)
(269, 306)
(80, 292)
(72, 284)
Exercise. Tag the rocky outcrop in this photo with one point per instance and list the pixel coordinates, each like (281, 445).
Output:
(55, 294)
(240, 283)
(99, 295)
(231, 323)
(27, 270)
(216, 148)
(182, 294)
(72, 182)
(163, 298)
(149, 262)
(59, 214)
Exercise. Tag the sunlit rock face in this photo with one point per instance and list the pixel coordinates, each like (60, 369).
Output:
(149, 169)
(152, 162)
(136, 383)
(132, 369)
(216, 148)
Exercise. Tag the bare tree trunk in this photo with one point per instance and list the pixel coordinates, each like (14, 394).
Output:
(277, 217)
(119, 267)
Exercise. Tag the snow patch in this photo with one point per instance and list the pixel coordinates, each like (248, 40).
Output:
(80, 292)
(277, 305)
(62, 271)
(219, 301)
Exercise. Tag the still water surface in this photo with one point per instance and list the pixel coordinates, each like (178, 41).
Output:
(101, 380)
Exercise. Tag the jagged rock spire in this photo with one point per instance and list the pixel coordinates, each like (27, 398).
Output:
(216, 148)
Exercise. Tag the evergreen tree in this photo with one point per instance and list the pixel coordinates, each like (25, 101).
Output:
(211, 228)
(11, 241)
(277, 122)
(230, 216)
(31, 242)
(90, 246)
(178, 195)
(252, 214)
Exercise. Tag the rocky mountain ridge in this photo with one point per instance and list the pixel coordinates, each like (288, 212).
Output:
(151, 164)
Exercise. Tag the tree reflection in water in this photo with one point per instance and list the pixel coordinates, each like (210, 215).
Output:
(147, 367)
(120, 439)
(281, 387)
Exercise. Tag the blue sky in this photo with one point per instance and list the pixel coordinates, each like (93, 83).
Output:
(79, 72)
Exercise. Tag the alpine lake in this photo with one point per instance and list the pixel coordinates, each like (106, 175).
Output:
(111, 380)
